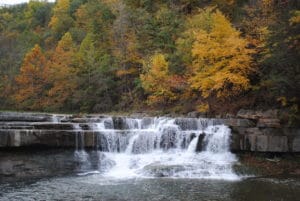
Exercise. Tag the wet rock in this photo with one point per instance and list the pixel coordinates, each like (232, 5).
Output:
(264, 143)
(238, 130)
(278, 144)
(253, 131)
(108, 124)
(159, 170)
(90, 139)
(235, 143)
(146, 122)
(192, 136)
(268, 123)
(296, 144)
(201, 144)
(254, 114)
(119, 123)
(85, 120)
(263, 132)
(187, 123)
(239, 122)
(25, 117)
(53, 126)
(196, 114)
(4, 139)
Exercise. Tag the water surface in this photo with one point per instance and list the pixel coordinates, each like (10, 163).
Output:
(97, 187)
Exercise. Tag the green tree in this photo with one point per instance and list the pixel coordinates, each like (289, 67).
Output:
(94, 78)
(61, 21)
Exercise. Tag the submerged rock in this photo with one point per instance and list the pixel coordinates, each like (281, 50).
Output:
(201, 144)
(159, 170)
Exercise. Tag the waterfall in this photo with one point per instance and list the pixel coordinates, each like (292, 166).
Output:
(160, 147)
(80, 155)
(55, 118)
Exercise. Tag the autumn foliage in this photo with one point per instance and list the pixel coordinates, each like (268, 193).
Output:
(32, 80)
(61, 73)
(157, 81)
(102, 55)
(221, 61)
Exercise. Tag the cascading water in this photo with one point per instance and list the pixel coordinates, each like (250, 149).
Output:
(164, 147)
(81, 156)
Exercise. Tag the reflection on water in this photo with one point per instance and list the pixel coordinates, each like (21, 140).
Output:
(96, 187)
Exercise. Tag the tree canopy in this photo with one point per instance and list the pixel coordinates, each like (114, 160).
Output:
(121, 55)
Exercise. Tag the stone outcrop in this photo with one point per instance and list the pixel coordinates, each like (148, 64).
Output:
(255, 131)
(266, 133)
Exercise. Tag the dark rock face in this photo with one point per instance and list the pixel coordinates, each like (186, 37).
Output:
(268, 123)
(239, 122)
(201, 144)
(119, 123)
(268, 134)
(254, 114)
(24, 117)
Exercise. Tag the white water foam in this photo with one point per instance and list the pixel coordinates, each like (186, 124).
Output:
(162, 149)
(80, 155)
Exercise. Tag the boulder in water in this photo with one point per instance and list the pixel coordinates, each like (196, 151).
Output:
(200, 144)
(160, 170)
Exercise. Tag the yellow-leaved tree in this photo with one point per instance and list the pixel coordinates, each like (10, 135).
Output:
(156, 80)
(219, 62)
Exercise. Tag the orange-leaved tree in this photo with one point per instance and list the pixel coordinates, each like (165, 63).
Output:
(62, 74)
(31, 82)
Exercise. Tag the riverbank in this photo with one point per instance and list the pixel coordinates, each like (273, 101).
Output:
(269, 164)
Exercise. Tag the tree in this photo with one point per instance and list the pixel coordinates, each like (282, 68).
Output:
(220, 62)
(61, 75)
(128, 59)
(156, 81)
(38, 13)
(94, 70)
(95, 17)
(61, 20)
(280, 67)
(31, 82)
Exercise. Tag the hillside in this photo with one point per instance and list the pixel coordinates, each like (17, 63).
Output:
(212, 56)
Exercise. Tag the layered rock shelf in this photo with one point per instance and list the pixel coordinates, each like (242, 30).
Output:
(251, 130)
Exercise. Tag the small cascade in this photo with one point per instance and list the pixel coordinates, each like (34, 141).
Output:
(55, 118)
(80, 155)
(193, 144)
(159, 147)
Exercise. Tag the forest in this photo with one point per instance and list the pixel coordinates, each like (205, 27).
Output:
(210, 56)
